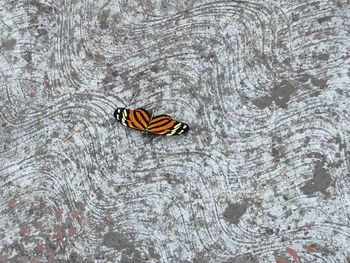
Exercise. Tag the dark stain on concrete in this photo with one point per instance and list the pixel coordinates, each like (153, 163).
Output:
(119, 242)
(155, 68)
(28, 57)
(263, 102)
(51, 247)
(304, 78)
(319, 82)
(74, 257)
(41, 8)
(132, 256)
(8, 44)
(320, 181)
(234, 211)
(153, 253)
(115, 240)
(323, 56)
(324, 19)
(245, 258)
(280, 94)
(200, 257)
(102, 18)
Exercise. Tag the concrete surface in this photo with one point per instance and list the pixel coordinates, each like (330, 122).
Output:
(263, 174)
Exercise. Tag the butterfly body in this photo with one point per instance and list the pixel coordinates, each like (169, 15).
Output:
(140, 119)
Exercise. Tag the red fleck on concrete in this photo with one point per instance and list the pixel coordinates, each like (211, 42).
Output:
(58, 213)
(39, 248)
(12, 203)
(281, 259)
(293, 253)
(32, 94)
(72, 231)
(24, 231)
(318, 35)
(59, 233)
(327, 196)
(312, 248)
(309, 226)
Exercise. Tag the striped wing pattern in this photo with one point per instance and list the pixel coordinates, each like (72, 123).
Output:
(140, 119)
(136, 119)
(165, 125)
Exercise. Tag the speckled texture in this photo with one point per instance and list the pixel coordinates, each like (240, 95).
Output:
(263, 174)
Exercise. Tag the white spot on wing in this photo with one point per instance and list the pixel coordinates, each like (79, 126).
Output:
(177, 126)
(124, 115)
(174, 130)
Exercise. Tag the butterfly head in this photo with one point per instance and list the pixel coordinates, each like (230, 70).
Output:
(145, 131)
(116, 113)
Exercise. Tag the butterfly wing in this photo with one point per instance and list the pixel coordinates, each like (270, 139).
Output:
(136, 119)
(165, 125)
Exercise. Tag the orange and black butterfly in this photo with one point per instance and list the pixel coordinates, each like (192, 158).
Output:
(142, 120)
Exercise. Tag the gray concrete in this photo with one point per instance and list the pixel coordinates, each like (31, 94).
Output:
(263, 174)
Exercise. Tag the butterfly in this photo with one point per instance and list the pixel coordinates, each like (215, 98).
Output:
(140, 119)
